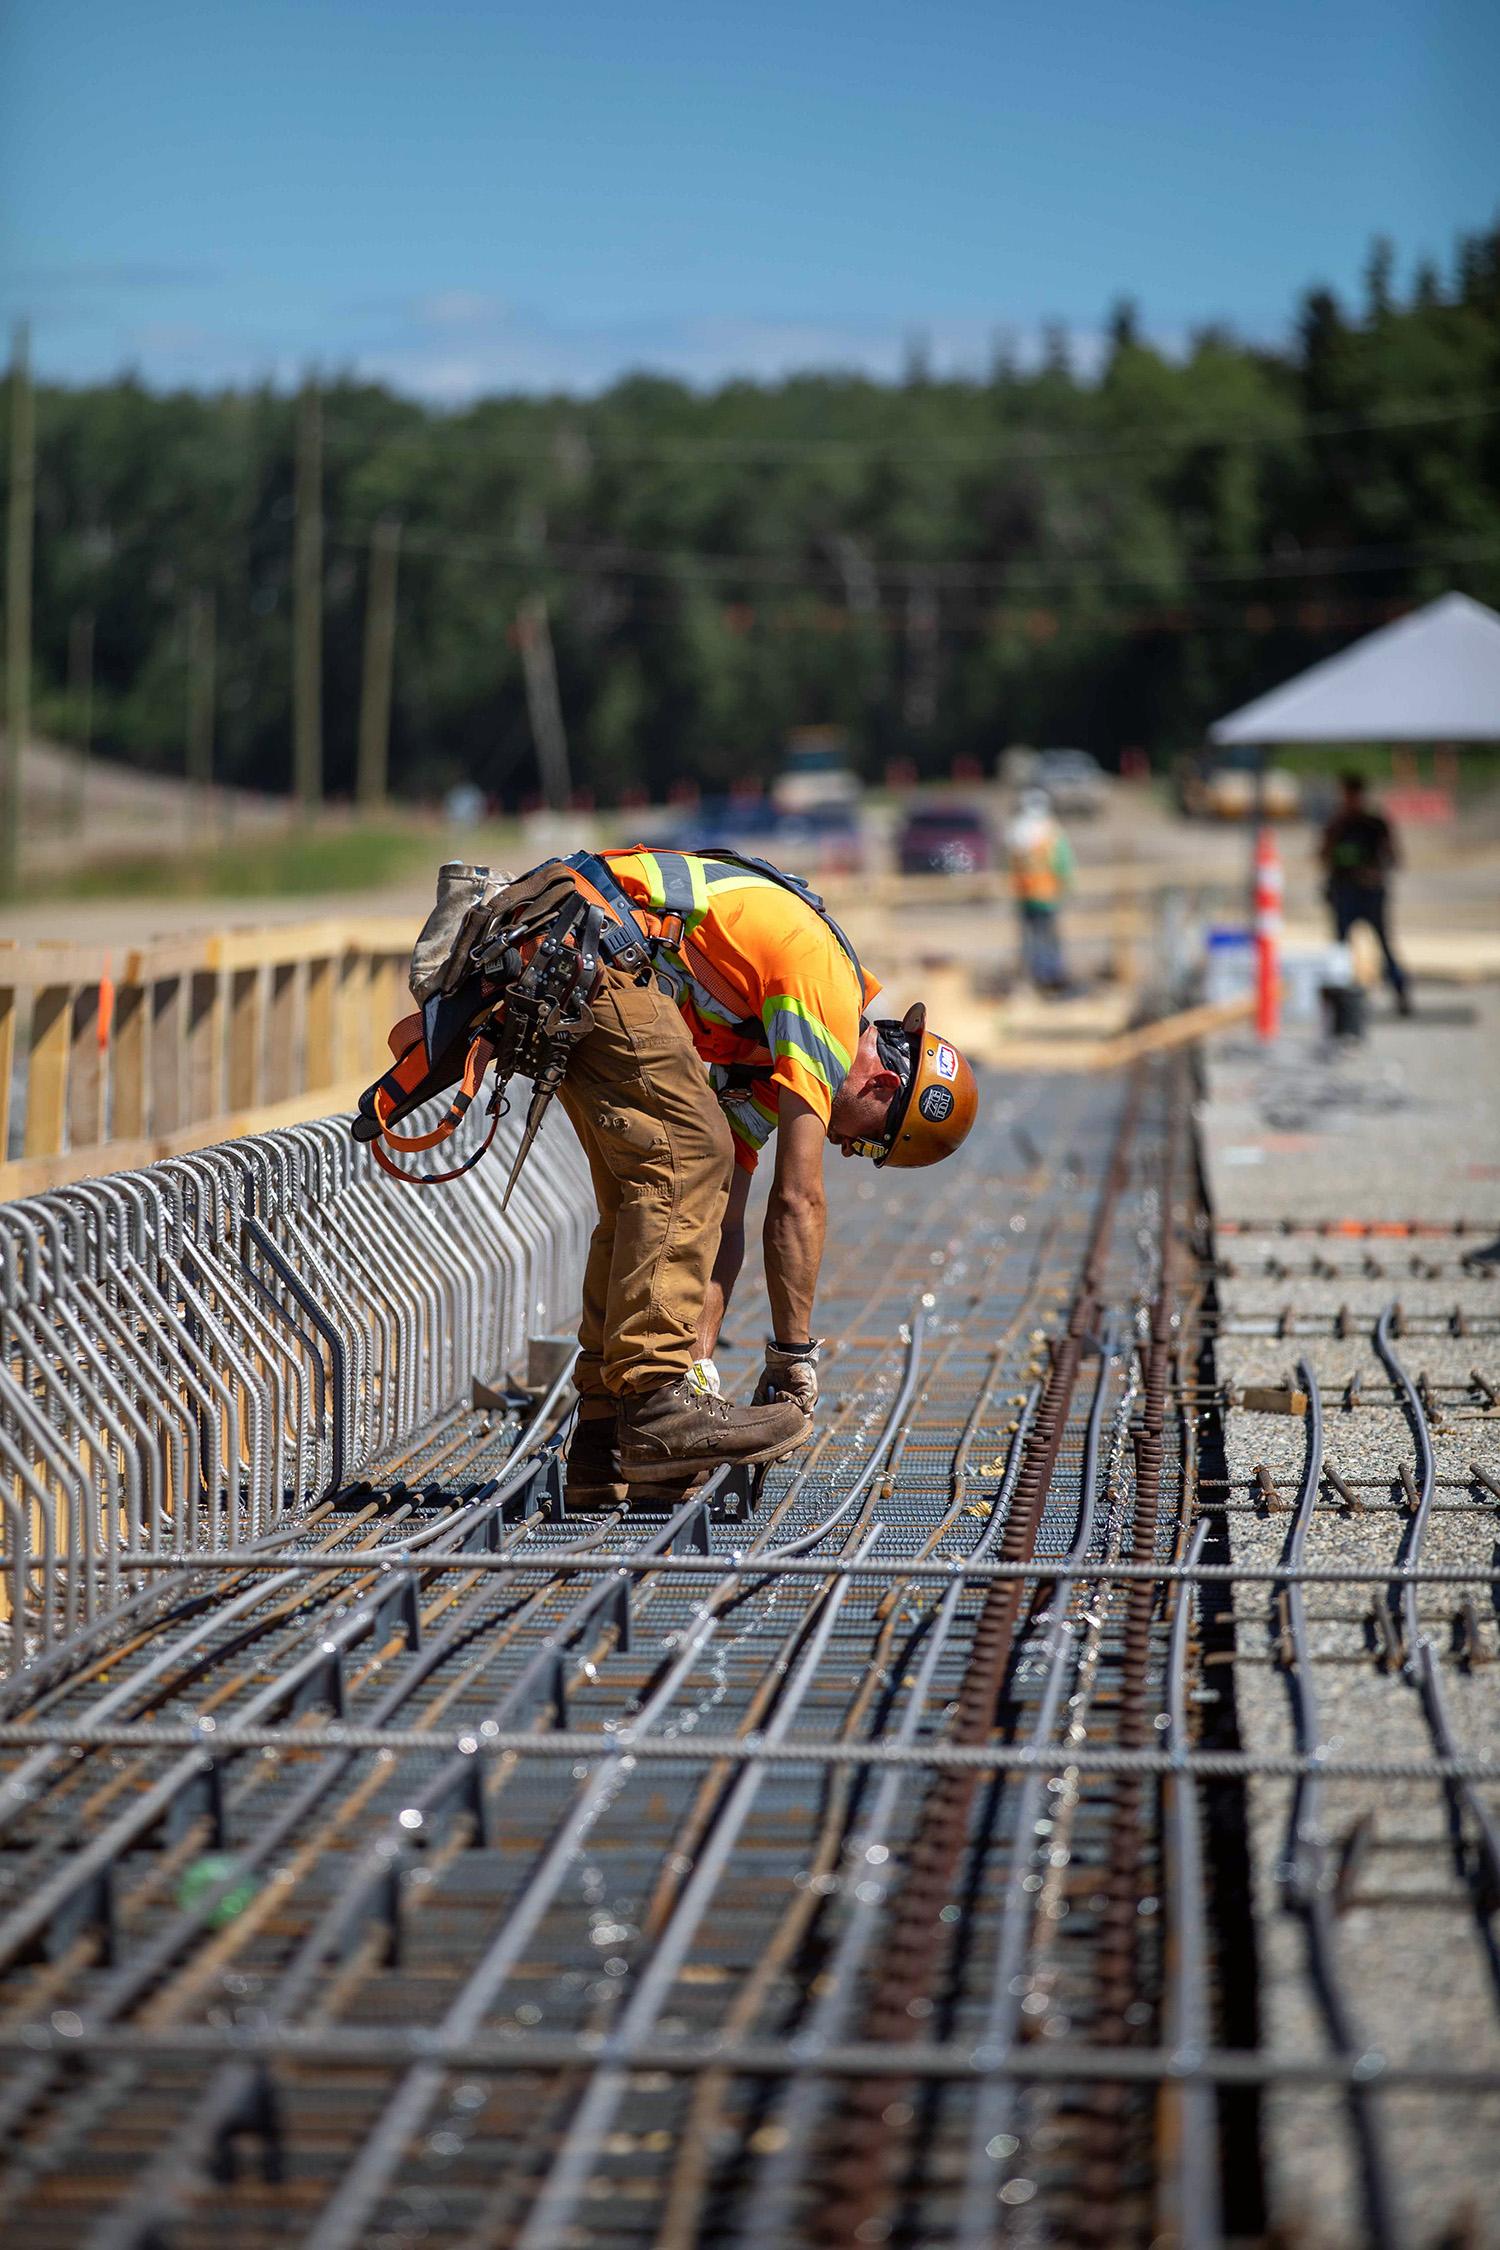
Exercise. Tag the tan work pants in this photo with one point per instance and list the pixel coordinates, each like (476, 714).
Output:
(662, 1156)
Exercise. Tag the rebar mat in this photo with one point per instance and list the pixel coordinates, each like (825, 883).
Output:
(585, 1953)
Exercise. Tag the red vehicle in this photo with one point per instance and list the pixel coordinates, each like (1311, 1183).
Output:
(942, 839)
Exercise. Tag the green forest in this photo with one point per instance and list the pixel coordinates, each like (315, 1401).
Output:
(1105, 557)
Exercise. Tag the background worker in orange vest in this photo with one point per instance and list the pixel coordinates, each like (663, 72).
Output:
(742, 1013)
(1041, 873)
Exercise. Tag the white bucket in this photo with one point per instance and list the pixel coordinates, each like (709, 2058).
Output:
(1228, 965)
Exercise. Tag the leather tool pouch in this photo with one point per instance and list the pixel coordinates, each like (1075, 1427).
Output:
(515, 991)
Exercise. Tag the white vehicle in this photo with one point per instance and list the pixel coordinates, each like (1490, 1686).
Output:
(816, 772)
(1073, 779)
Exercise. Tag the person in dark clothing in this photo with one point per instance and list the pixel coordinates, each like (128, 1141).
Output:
(1358, 853)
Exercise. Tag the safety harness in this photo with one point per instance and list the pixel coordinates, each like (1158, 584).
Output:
(666, 929)
(402, 1089)
(524, 1002)
(523, 1005)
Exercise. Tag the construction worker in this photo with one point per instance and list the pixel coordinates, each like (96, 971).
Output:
(1359, 854)
(1041, 871)
(741, 1012)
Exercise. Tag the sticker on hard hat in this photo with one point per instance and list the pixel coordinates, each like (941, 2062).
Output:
(937, 1102)
(945, 1062)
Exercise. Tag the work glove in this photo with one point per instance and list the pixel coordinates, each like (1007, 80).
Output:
(791, 1371)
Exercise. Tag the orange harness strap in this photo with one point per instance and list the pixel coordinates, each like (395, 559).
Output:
(481, 1054)
(438, 1179)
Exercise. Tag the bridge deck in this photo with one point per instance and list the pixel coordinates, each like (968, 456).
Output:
(688, 1887)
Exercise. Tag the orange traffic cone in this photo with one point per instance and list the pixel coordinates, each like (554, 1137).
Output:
(1267, 936)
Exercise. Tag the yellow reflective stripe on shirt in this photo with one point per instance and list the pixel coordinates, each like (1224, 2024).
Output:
(698, 877)
(723, 876)
(678, 886)
(686, 989)
(651, 877)
(796, 1032)
(751, 1120)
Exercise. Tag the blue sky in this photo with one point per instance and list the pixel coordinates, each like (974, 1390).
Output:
(458, 197)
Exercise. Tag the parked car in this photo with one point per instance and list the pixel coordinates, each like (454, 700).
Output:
(816, 771)
(749, 824)
(1073, 779)
(942, 839)
(1221, 785)
(820, 840)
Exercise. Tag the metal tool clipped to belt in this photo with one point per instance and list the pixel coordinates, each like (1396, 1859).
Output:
(523, 1007)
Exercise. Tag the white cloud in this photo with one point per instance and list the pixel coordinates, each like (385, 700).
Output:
(454, 345)
(504, 351)
(459, 308)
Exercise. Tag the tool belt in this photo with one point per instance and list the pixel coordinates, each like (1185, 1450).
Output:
(516, 995)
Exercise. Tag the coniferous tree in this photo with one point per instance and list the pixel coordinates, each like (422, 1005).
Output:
(1051, 552)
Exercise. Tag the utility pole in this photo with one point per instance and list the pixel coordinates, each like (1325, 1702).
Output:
(307, 605)
(81, 708)
(380, 648)
(201, 656)
(19, 529)
(542, 701)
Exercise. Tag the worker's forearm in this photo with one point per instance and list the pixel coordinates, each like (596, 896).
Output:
(731, 1256)
(795, 1226)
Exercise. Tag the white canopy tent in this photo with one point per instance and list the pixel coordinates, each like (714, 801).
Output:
(1430, 677)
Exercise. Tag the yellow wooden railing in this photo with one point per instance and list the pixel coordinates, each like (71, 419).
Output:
(112, 1057)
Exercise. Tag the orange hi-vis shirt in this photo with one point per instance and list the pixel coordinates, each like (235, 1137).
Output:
(786, 1001)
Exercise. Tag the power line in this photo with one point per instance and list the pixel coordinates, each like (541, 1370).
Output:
(590, 446)
(1041, 625)
(790, 568)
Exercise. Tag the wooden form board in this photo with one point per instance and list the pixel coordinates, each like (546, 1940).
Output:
(1123, 1047)
(111, 1058)
(35, 1175)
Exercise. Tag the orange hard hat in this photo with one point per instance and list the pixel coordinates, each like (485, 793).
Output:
(939, 1099)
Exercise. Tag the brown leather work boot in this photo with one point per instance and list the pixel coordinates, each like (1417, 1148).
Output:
(681, 1425)
(594, 1482)
(656, 1492)
(594, 1475)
